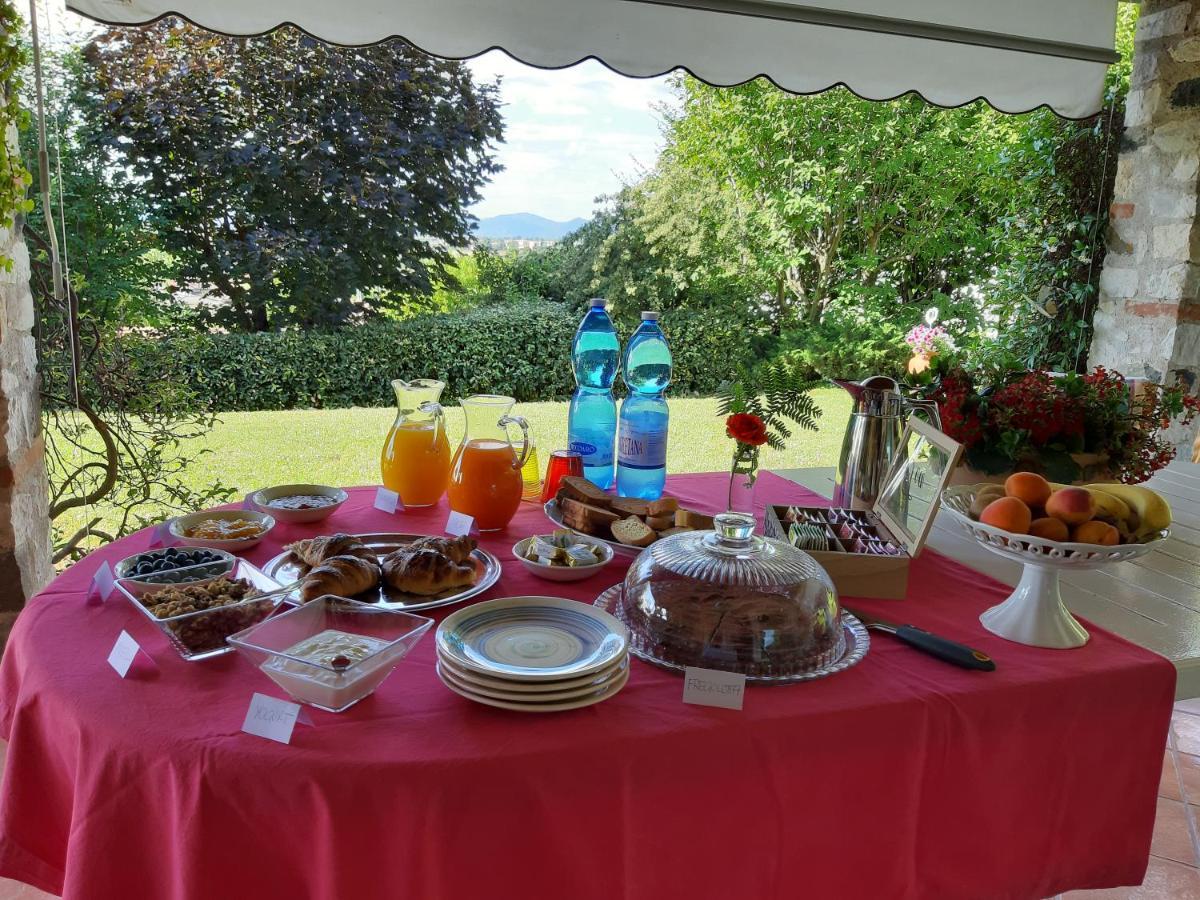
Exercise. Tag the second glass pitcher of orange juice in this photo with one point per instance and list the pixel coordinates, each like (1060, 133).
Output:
(416, 455)
(485, 477)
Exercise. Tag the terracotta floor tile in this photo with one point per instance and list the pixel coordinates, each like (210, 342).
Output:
(1172, 837)
(1187, 732)
(1165, 880)
(1187, 766)
(1168, 784)
(15, 890)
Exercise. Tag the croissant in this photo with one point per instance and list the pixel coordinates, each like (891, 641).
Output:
(425, 571)
(314, 551)
(458, 549)
(344, 576)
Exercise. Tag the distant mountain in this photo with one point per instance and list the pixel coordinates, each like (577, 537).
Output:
(525, 225)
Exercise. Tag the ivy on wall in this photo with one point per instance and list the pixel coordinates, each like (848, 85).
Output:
(14, 177)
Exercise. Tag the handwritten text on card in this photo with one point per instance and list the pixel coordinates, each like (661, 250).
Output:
(708, 687)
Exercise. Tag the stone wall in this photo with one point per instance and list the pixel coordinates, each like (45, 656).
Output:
(1147, 322)
(24, 518)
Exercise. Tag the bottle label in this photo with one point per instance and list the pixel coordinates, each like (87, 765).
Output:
(638, 449)
(592, 455)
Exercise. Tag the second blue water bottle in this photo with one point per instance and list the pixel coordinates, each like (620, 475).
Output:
(642, 429)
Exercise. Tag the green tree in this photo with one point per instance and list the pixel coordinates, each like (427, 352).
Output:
(305, 183)
(804, 198)
(114, 452)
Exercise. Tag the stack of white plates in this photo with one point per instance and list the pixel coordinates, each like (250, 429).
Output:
(533, 654)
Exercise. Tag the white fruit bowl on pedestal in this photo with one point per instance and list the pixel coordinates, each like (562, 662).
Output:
(1034, 613)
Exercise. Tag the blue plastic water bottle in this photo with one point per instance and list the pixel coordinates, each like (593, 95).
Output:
(592, 419)
(642, 434)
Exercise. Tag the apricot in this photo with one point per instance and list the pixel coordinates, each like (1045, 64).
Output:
(1072, 504)
(1049, 528)
(1029, 487)
(1096, 532)
(1007, 514)
(983, 496)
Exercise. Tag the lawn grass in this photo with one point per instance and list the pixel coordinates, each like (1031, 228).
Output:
(250, 450)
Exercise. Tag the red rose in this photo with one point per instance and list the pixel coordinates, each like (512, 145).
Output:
(746, 428)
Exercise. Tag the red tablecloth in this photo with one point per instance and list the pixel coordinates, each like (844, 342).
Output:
(902, 777)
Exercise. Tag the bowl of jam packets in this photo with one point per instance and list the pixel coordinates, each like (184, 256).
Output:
(563, 555)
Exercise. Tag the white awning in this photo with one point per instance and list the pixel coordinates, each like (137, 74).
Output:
(1016, 54)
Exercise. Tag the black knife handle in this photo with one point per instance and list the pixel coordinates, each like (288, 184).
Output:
(945, 649)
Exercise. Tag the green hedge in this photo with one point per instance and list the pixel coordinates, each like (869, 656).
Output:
(520, 349)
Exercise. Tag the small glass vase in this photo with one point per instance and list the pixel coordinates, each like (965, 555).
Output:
(743, 479)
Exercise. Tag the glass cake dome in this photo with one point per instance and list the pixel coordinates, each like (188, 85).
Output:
(729, 600)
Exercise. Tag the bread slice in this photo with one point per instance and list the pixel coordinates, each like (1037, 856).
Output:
(659, 523)
(662, 506)
(634, 531)
(667, 532)
(630, 506)
(686, 518)
(585, 517)
(574, 487)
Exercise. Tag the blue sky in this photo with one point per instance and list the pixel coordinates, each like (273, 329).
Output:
(571, 135)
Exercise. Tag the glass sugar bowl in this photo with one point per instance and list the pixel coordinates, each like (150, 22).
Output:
(736, 602)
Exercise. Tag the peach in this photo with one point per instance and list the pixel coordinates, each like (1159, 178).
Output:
(1007, 514)
(1072, 504)
(1096, 532)
(1049, 528)
(1029, 487)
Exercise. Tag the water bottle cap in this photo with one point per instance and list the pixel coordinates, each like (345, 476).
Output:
(598, 302)
(648, 316)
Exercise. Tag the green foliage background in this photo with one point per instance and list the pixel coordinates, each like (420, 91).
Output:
(511, 348)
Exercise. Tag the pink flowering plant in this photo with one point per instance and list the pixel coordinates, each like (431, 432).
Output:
(926, 340)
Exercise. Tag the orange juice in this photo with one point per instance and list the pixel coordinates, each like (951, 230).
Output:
(416, 462)
(485, 483)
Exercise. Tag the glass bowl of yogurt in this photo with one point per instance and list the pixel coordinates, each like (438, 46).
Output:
(332, 652)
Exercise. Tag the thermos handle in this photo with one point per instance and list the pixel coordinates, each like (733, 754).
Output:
(930, 408)
(527, 443)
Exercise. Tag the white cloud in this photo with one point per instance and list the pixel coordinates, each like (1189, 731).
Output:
(571, 135)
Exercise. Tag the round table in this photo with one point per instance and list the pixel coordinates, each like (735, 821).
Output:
(146, 786)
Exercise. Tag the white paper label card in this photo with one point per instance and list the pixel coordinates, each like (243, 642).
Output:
(459, 524)
(102, 584)
(161, 535)
(708, 687)
(388, 501)
(273, 719)
(123, 653)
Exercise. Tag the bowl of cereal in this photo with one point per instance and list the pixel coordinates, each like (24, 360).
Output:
(222, 529)
(197, 617)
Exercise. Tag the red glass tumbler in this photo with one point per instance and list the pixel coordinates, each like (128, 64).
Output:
(561, 464)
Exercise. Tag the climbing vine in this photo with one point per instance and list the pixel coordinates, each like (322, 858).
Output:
(14, 177)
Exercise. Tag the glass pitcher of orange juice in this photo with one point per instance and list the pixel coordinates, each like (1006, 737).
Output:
(485, 477)
(416, 455)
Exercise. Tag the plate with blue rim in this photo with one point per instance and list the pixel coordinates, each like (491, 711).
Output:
(532, 638)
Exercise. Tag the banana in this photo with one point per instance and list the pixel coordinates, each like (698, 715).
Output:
(1153, 512)
(1108, 505)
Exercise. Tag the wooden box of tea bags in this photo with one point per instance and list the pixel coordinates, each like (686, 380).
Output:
(867, 553)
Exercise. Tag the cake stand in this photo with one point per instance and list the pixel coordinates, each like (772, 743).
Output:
(1034, 612)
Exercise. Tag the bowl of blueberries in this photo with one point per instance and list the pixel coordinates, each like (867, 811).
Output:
(172, 565)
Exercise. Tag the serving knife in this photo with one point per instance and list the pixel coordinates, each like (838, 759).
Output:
(933, 644)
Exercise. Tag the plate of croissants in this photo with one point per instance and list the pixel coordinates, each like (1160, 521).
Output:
(397, 571)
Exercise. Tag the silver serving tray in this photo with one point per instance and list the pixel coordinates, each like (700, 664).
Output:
(554, 514)
(857, 644)
(286, 569)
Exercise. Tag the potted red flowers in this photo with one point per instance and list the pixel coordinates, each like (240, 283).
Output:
(1069, 428)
